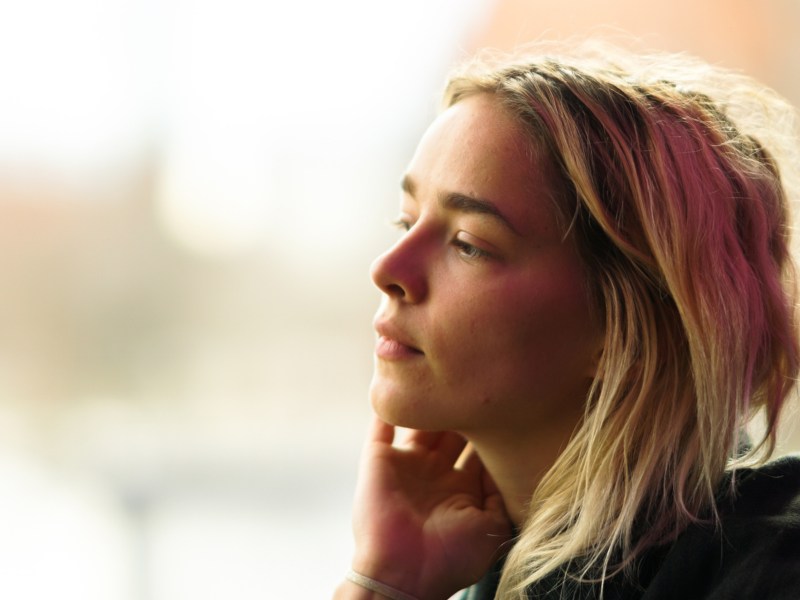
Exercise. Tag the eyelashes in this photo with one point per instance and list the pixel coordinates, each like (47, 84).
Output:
(464, 249)
(469, 251)
(402, 224)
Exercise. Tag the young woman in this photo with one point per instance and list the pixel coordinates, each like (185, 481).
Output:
(592, 296)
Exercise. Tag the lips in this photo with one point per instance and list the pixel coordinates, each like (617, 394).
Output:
(393, 343)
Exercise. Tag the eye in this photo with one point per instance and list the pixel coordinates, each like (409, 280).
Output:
(469, 251)
(402, 223)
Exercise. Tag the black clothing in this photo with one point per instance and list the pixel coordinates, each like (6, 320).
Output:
(753, 555)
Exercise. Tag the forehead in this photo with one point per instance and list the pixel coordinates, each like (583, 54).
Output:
(478, 149)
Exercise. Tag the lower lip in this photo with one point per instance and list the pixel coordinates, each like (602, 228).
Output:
(389, 349)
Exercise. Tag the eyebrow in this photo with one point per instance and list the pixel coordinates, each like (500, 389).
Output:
(463, 203)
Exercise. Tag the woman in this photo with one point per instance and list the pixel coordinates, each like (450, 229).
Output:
(592, 297)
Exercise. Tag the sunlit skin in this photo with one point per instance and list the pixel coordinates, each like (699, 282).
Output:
(493, 303)
(486, 349)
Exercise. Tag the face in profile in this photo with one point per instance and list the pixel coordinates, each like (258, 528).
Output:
(485, 322)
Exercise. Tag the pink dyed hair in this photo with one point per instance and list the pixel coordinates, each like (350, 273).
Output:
(681, 215)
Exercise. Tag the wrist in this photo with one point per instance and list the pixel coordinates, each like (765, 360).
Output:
(381, 589)
(396, 574)
(405, 579)
(348, 590)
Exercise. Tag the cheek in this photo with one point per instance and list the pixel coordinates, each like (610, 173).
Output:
(479, 334)
(558, 317)
(518, 332)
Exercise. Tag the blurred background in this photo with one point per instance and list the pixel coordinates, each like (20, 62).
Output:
(191, 193)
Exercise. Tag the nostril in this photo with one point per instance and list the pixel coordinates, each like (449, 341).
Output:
(396, 290)
(385, 274)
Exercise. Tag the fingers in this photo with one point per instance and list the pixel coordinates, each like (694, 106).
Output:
(425, 439)
(446, 443)
(494, 505)
(470, 462)
(489, 486)
(380, 432)
(452, 446)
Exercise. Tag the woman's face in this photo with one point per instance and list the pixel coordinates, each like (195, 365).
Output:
(485, 322)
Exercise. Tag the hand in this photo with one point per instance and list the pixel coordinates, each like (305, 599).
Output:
(428, 519)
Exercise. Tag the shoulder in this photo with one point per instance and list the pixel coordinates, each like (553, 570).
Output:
(773, 489)
(754, 552)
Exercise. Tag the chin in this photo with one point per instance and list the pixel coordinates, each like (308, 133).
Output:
(388, 406)
(403, 408)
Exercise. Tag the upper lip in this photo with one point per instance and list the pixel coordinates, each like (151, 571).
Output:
(389, 330)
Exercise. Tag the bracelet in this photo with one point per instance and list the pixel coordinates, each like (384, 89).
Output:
(377, 586)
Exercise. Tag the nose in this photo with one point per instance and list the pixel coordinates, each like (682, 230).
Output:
(400, 271)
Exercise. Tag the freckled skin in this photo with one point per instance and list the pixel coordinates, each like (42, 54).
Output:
(509, 339)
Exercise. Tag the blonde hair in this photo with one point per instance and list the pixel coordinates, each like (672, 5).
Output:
(670, 184)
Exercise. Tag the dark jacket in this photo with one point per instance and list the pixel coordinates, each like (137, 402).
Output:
(753, 555)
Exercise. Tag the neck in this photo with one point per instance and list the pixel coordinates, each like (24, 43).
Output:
(518, 463)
